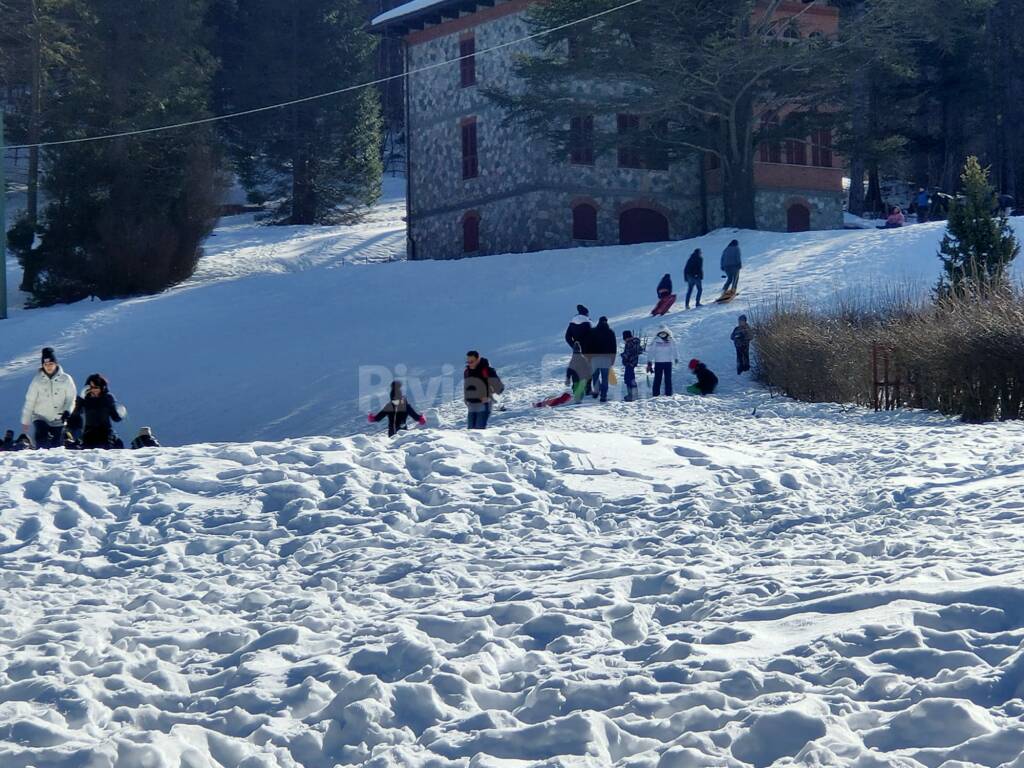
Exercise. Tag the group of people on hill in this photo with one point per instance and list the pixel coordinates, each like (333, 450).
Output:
(593, 350)
(693, 274)
(57, 415)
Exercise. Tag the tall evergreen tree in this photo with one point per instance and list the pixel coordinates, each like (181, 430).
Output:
(128, 215)
(320, 158)
(979, 244)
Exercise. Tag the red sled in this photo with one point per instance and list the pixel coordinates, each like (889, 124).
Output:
(664, 305)
(551, 402)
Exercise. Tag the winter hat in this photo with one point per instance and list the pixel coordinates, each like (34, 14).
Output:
(48, 355)
(743, 318)
(582, 310)
(694, 363)
(602, 320)
(145, 432)
(396, 390)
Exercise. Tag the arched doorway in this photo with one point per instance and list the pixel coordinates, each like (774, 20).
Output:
(798, 218)
(642, 225)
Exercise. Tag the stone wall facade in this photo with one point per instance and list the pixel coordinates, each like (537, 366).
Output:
(523, 195)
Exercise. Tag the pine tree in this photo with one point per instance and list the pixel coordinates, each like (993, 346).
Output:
(128, 215)
(979, 244)
(319, 159)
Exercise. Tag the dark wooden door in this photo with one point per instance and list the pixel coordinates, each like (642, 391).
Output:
(798, 218)
(642, 225)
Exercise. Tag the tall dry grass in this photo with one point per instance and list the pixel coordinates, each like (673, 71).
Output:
(961, 355)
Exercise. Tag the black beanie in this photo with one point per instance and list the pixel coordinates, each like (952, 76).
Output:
(582, 310)
(48, 355)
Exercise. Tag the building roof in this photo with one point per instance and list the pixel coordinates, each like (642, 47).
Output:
(417, 14)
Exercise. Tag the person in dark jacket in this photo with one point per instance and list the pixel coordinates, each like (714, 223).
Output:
(145, 439)
(741, 336)
(479, 381)
(601, 348)
(94, 411)
(665, 286)
(397, 410)
(576, 336)
(693, 274)
(578, 328)
(706, 380)
(632, 348)
(8, 442)
(732, 263)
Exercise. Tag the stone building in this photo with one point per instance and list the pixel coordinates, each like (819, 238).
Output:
(477, 185)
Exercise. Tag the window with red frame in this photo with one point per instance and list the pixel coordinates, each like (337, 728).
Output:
(770, 151)
(467, 62)
(584, 222)
(821, 148)
(581, 140)
(629, 152)
(470, 233)
(796, 152)
(470, 167)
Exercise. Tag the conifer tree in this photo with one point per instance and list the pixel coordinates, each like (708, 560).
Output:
(979, 244)
(319, 159)
(127, 216)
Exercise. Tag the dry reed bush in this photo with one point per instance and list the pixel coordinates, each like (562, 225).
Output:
(961, 355)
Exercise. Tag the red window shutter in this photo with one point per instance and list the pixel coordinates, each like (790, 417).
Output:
(584, 222)
(581, 130)
(629, 154)
(467, 62)
(470, 233)
(469, 155)
(796, 152)
(821, 148)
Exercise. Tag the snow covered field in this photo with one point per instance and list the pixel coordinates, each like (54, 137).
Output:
(729, 581)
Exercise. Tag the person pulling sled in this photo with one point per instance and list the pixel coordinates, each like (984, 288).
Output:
(665, 296)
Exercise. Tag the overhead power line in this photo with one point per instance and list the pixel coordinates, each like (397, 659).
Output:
(324, 95)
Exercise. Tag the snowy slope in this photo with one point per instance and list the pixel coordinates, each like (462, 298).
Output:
(728, 581)
(673, 584)
(269, 338)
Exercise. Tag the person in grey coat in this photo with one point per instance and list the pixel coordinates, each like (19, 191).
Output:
(732, 263)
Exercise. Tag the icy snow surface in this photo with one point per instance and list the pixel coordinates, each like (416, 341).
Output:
(728, 581)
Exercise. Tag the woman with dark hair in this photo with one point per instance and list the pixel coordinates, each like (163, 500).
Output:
(397, 411)
(95, 409)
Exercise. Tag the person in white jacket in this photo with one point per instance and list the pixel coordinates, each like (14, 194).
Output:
(662, 353)
(50, 398)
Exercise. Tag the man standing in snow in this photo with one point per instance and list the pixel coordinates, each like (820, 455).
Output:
(732, 263)
(741, 336)
(479, 381)
(662, 354)
(693, 274)
(601, 349)
(922, 205)
(576, 337)
(49, 401)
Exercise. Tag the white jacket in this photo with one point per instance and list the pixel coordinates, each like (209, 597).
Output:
(48, 398)
(662, 351)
